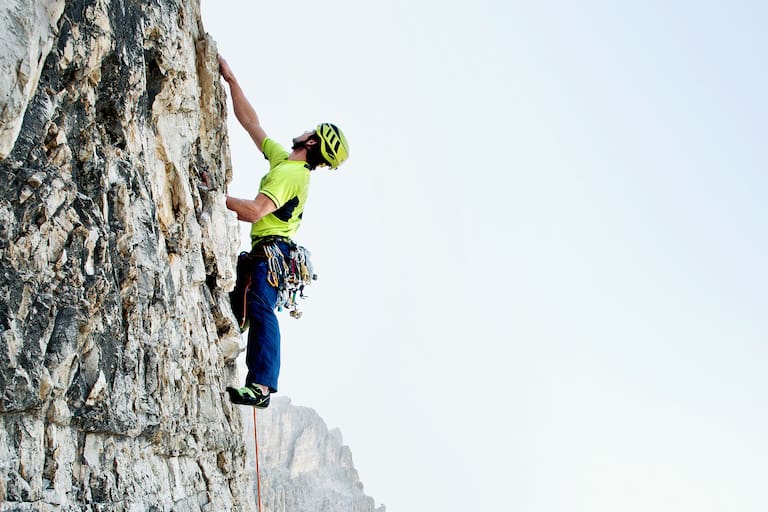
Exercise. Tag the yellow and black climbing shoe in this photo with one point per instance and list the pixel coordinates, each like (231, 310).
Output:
(249, 395)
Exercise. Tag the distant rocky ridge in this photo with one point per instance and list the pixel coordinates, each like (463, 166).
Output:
(304, 466)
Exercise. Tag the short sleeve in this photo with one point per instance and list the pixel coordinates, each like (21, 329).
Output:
(273, 152)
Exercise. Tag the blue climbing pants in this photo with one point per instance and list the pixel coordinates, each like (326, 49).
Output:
(263, 354)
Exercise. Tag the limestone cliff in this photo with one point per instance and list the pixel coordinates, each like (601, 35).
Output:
(305, 467)
(116, 255)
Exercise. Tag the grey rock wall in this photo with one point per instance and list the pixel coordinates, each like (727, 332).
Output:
(28, 34)
(304, 466)
(116, 256)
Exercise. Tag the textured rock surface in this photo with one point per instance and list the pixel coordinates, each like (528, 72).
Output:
(27, 35)
(304, 466)
(116, 255)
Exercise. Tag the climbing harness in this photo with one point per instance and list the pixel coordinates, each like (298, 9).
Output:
(289, 274)
(256, 456)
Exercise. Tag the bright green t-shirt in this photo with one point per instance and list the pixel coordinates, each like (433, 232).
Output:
(287, 185)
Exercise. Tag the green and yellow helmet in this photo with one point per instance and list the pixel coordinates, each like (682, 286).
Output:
(333, 144)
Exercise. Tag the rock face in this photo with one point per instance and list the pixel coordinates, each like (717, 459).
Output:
(27, 37)
(116, 256)
(305, 467)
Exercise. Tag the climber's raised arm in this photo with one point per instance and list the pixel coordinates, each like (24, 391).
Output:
(244, 112)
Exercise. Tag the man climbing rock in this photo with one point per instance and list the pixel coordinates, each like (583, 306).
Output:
(275, 215)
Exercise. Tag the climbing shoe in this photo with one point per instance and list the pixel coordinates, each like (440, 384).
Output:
(249, 395)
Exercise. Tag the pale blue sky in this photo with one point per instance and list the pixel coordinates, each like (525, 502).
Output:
(542, 271)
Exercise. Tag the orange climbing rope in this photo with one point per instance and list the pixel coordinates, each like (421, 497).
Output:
(256, 442)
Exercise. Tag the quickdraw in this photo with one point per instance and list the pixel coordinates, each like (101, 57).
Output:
(289, 274)
(276, 264)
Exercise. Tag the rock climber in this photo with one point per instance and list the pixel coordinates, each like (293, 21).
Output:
(275, 215)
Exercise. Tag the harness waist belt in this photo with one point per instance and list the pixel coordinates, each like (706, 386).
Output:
(258, 244)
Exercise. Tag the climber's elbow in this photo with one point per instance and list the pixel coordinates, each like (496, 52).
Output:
(251, 210)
